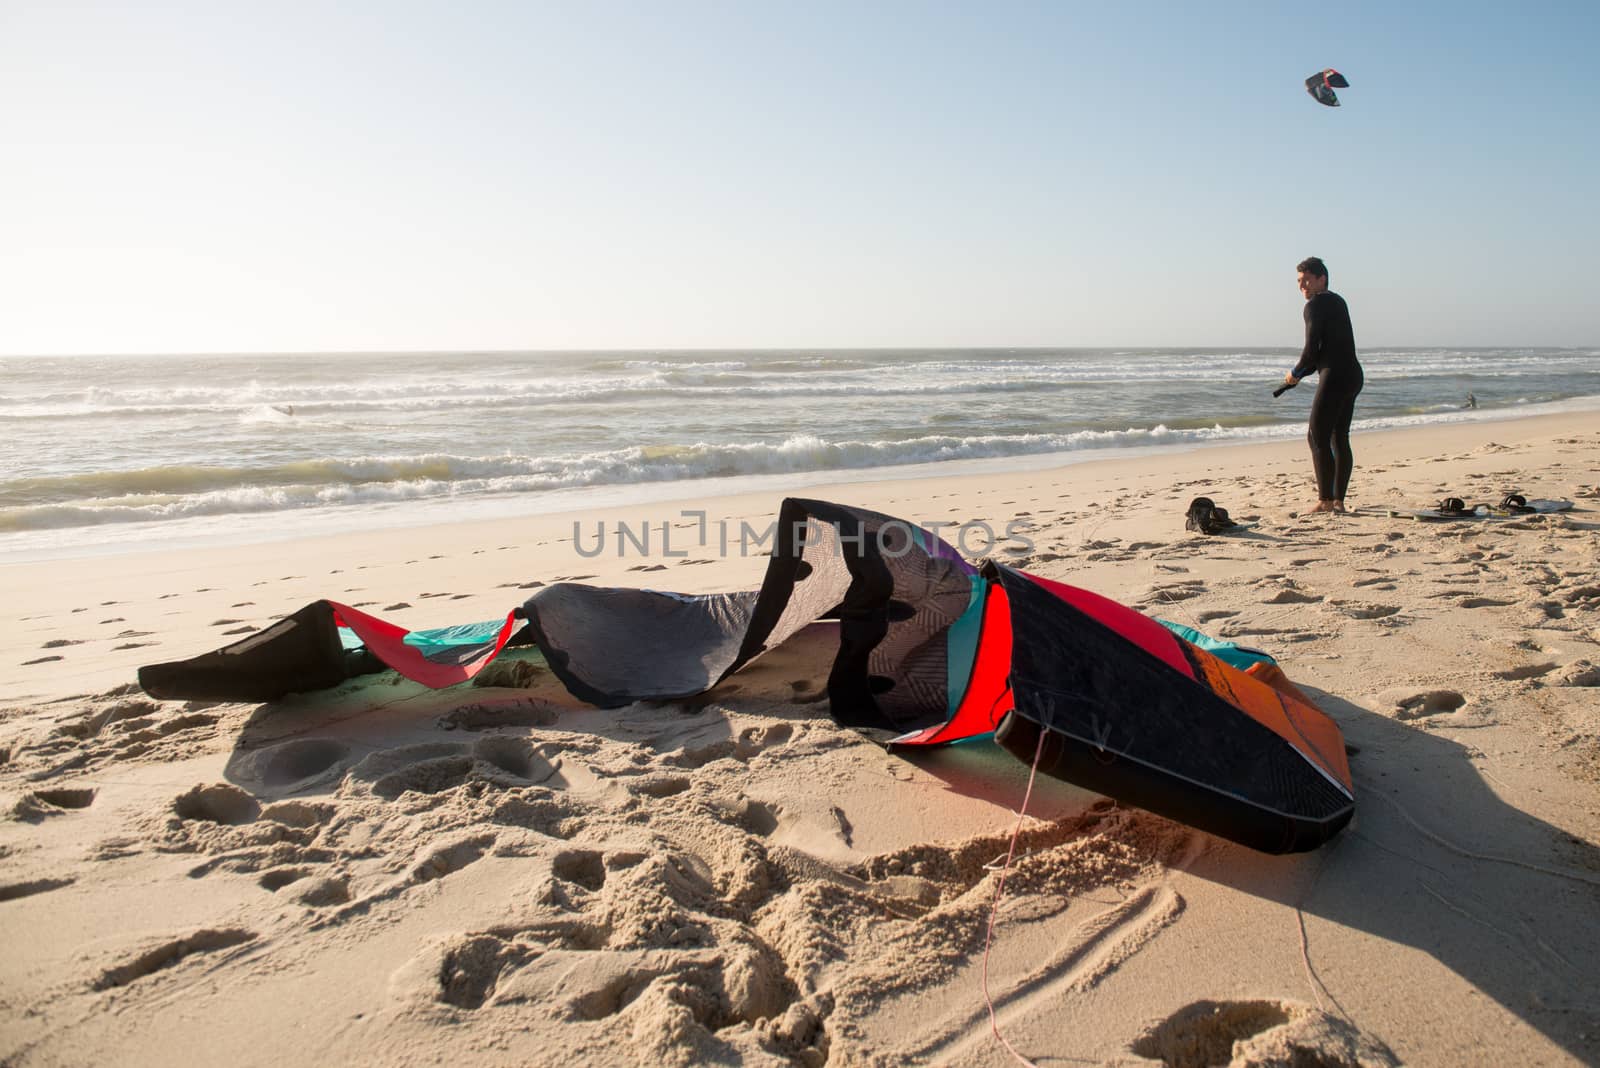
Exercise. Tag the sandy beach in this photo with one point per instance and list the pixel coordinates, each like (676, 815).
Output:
(499, 874)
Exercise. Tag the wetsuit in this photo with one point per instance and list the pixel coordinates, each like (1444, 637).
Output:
(1331, 352)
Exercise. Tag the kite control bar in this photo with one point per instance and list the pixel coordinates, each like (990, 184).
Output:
(1281, 390)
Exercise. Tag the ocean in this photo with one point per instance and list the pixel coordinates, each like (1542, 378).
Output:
(112, 453)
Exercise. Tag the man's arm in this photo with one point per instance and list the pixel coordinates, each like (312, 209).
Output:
(1311, 355)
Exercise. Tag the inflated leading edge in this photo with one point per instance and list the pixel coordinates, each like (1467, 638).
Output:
(931, 650)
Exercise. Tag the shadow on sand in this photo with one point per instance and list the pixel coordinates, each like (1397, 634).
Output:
(1435, 861)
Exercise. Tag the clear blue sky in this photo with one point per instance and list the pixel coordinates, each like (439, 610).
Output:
(215, 176)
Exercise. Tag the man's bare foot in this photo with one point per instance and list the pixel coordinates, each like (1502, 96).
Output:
(1338, 506)
(1322, 506)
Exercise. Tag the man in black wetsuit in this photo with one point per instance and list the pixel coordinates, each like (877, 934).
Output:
(1331, 352)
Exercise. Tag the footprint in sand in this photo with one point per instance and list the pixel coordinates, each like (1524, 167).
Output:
(37, 805)
(165, 955)
(1364, 609)
(569, 966)
(1281, 635)
(450, 856)
(241, 835)
(754, 817)
(1291, 595)
(41, 660)
(1431, 703)
(1170, 592)
(304, 886)
(292, 766)
(691, 757)
(1581, 673)
(755, 740)
(470, 967)
(29, 887)
(492, 715)
(582, 867)
(220, 803)
(1259, 1032)
(275, 879)
(1540, 613)
(752, 741)
(434, 861)
(1584, 598)
(1526, 671)
(661, 786)
(435, 767)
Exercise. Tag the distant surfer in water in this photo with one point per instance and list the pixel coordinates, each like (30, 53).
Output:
(283, 409)
(1330, 351)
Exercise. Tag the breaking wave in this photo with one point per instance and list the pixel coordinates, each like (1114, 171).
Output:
(178, 492)
(166, 442)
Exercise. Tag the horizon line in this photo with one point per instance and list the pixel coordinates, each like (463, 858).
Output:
(232, 353)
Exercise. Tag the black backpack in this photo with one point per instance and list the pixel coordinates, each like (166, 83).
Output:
(1205, 517)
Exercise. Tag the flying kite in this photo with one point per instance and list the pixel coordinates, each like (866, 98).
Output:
(1322, 84)
(932, 650)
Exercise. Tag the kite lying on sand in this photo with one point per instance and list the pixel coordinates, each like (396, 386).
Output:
(932, 650)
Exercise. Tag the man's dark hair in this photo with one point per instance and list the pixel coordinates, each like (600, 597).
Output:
(1313, 266)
